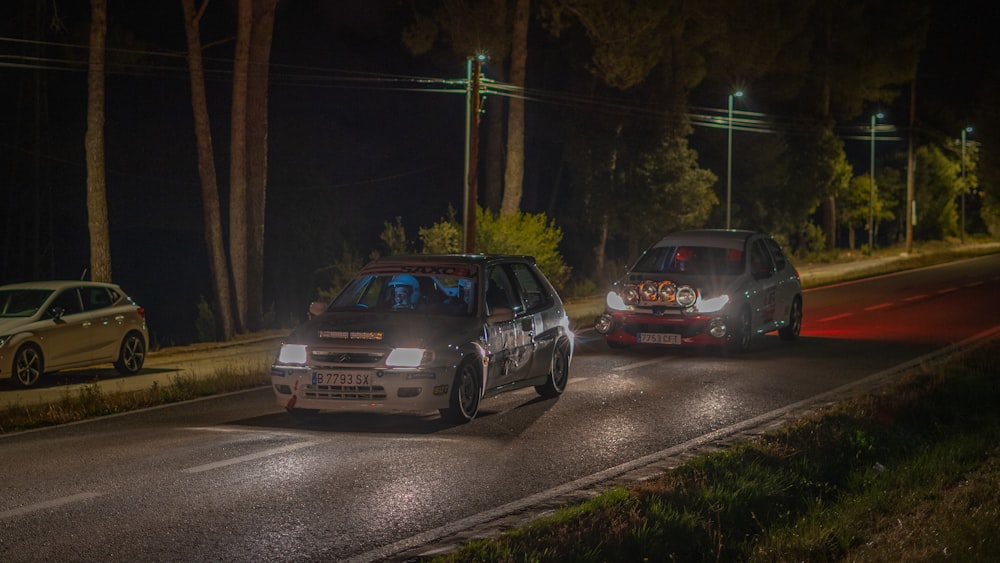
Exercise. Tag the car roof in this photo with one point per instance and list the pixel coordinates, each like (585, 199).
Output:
(58, 285)
(437, 259)
(723, 238)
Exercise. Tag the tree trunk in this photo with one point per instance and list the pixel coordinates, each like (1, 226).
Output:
(206, 172)
(238, 233)
(260, 57)
(97, 201)
(514, 174)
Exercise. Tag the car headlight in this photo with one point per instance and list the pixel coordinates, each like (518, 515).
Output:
(714, 304)
(686, 296)
(293, 354)
(648, 290)
(667, 292)
(631, 295)
(407, 357)
(615, 301)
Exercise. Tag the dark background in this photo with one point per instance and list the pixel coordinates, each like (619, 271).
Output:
(345, 156)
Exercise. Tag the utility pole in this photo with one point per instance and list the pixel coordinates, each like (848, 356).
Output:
(473, 73)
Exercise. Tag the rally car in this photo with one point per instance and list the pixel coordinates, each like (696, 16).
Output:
(428, 332)
(705, 288)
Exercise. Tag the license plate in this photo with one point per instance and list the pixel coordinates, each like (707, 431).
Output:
(659, 338)
(341, 378)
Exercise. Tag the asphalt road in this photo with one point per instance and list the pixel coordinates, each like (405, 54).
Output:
(233, 478)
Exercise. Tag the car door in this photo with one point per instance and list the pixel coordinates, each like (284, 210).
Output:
(763, 300)
(786, 281)
(535, 298)
(107, 322)
(67, 331)
(509, 329)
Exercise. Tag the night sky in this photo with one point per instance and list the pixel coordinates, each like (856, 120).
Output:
(380, 148)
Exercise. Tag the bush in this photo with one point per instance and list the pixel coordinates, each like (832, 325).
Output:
(523, 233)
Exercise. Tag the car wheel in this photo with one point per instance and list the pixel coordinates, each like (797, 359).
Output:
(794, 326)
(465, 393)
(558, 373)
(132, 354)
(743, 337)
(28, 365)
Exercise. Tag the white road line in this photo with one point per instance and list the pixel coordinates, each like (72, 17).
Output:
(879, 306)
(835, 317)
(640, 364)
(946, 290)
(974, 284)
(248, 457)
(48, 504)
(916, 297)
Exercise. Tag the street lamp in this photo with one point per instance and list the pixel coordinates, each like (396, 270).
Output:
(871, 185)
(729, 162)
(964, 131)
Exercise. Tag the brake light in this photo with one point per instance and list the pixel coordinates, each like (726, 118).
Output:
(141, 311)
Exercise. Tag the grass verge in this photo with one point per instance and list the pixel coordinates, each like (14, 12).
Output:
(92, 400)
(908, 474)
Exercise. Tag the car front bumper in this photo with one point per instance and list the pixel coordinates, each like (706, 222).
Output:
(629, 328)
(405, 389)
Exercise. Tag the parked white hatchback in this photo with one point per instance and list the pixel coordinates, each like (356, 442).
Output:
(55, 325)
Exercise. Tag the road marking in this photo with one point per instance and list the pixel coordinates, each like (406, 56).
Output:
(974, 284)
(248, 457)
(946, 290)
(916, 297)
(640, 364)
(877, 307)
(835, 317)
(79, 497)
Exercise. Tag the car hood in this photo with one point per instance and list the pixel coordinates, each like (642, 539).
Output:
(397, 329)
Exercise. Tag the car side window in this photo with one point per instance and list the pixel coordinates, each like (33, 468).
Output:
(68, 300)
(498, 294)
(533, 292)
(776, 253)
(760, 260)
(95, 298)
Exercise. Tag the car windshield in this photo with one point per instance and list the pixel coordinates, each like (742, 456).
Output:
(694, 260)
(22, 302)
(408, 293)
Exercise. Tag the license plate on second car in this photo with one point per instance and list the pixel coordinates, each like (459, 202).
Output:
(659, 338)
(341, 378)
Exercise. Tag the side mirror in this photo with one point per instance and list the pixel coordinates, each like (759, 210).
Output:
(56, 313)
(317, 308)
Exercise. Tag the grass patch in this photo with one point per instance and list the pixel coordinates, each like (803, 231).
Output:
(92, 401)
(910, 473)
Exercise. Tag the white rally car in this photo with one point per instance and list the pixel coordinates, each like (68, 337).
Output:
(428, 332)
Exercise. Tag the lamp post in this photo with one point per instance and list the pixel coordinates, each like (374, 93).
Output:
(964, 131)
(871, 185)
(729, 162)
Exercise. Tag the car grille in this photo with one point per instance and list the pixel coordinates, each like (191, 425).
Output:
(335, 357)
(345, 392)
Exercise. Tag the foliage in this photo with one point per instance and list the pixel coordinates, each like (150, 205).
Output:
(443, 237)
(394, 237)
(204, 323)
(330, 279)
(937, 184)
(522, 233)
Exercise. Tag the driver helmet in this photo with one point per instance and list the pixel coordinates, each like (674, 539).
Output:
(404, 291)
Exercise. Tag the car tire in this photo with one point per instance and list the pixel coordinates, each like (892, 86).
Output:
(131, 355)
(558, 372)
(791, 331)
(466, 392)
(28, 365)
(743, 335)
